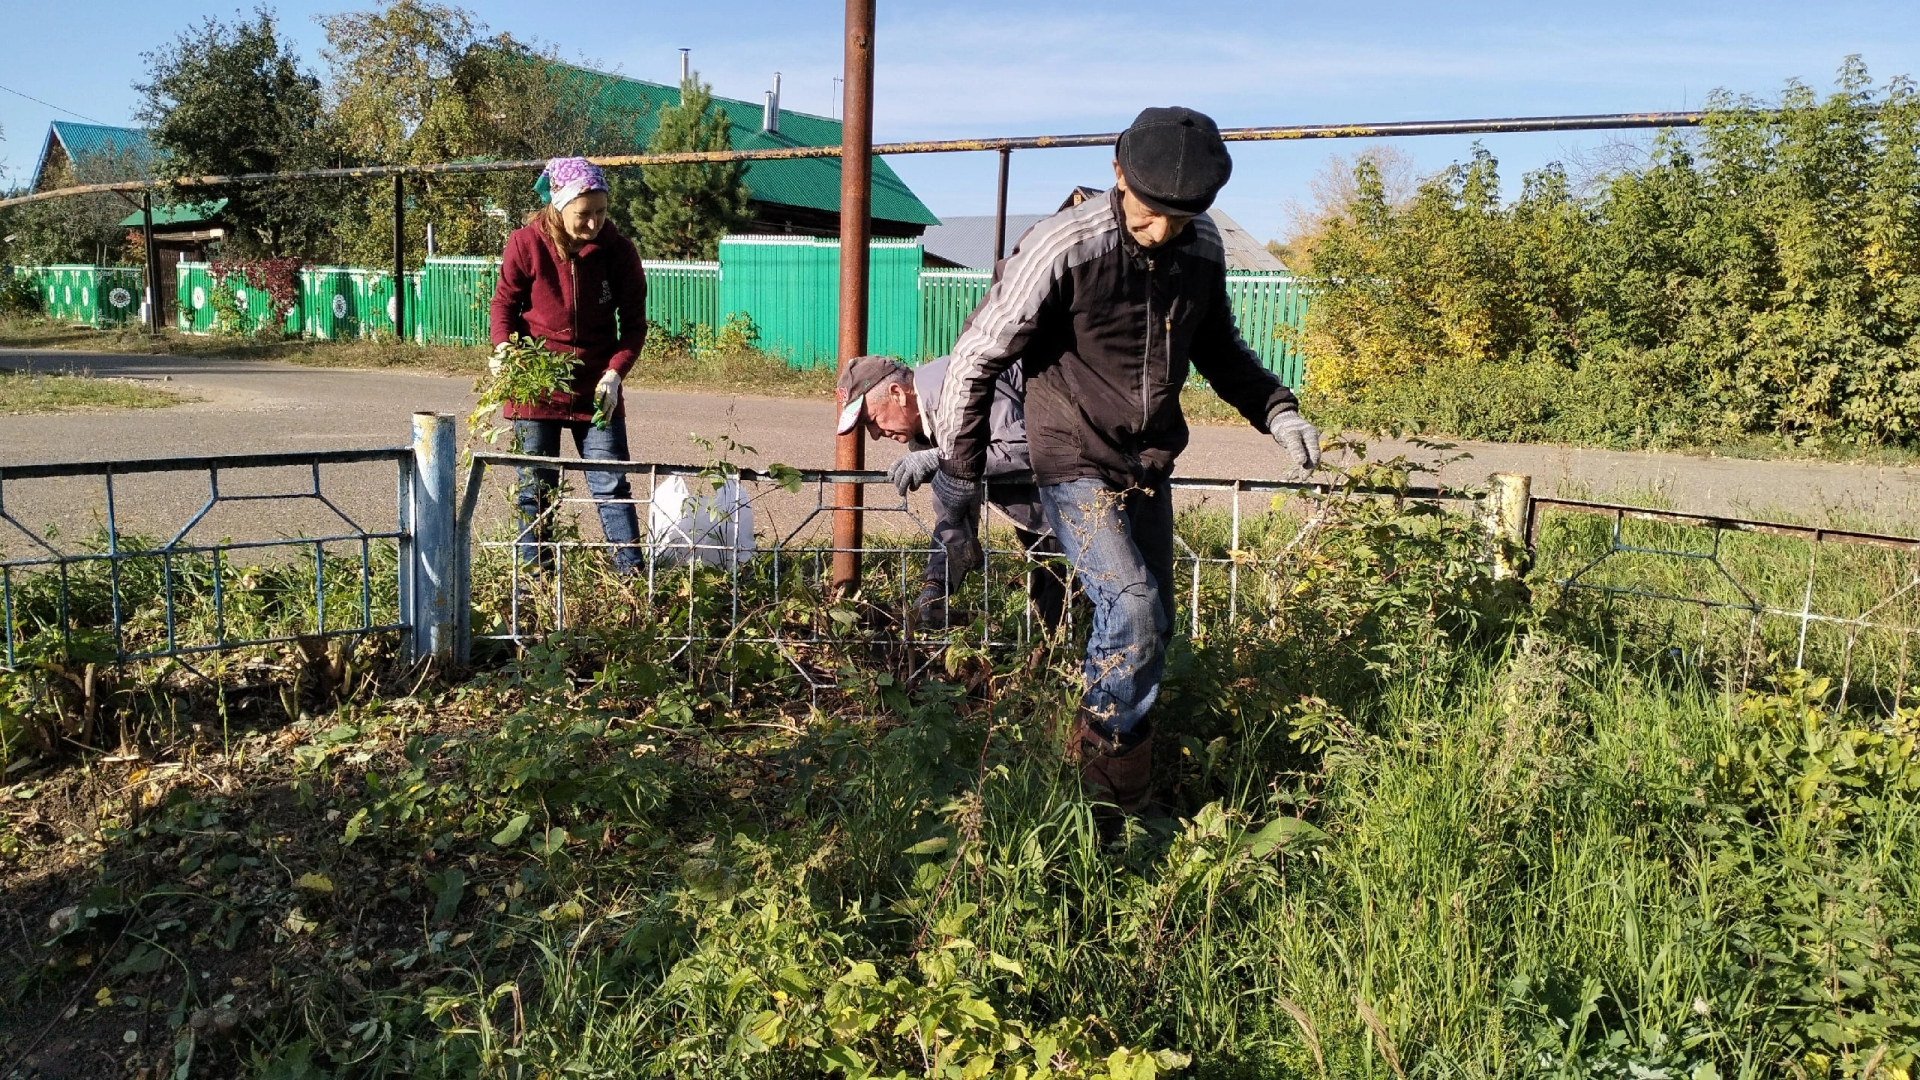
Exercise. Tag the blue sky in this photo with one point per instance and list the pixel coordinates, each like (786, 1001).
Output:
(985, 68)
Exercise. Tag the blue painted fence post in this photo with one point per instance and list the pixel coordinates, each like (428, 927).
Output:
(435, 579)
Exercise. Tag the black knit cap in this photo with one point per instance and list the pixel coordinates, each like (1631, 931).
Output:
(1174, 160)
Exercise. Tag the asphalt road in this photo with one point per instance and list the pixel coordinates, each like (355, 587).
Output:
(254, 406)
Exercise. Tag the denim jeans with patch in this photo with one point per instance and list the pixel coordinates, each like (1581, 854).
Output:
(536, 488)
(1121, 546)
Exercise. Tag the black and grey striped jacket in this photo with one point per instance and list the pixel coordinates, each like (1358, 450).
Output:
(1106, 333)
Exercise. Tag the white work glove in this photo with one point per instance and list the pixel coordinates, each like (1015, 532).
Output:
(1298, 438)
(913, 470)
(606, 396)
(498, 360)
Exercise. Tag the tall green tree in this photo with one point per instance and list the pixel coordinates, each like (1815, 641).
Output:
(682, 211)
(233, 98)
(83, 229)
(415, 82)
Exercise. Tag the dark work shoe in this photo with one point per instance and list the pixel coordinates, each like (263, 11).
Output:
(1119, 771)
(930, 609)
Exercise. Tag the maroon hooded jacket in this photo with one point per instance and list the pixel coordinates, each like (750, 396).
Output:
(593, 305)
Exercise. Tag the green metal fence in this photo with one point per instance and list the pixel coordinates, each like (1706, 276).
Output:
(1271, 310)
(947, 297)
(682, 295)
(790, 286)
(198, 297)
(454, 297)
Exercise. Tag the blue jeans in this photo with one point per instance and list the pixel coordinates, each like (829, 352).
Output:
(534, 493)
(1121, 547)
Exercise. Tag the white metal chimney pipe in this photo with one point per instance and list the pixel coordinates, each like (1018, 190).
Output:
(770, 114)
(776, 100)
(686, 64)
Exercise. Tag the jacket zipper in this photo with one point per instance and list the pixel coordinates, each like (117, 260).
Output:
(573, 311)
(1146, 354)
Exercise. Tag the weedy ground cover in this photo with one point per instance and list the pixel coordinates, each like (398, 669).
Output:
(1416, 822)
(23, 393)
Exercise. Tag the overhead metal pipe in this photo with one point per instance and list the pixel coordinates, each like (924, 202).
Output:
(1396, 129)
(856, 204)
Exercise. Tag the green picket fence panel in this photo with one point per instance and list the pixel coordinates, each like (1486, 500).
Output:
(70, 294)
(193, 297)
(455, 295)
(789, 286)
(194, 302)
(117, 292)
(682, 295)
(1271, 310)
(947, 297)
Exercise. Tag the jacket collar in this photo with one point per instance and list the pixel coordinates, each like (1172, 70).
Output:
(1128, 244)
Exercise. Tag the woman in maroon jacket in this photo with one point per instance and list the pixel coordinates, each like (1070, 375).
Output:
(569, 276)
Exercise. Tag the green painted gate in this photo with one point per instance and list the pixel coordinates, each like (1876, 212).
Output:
(790, 286)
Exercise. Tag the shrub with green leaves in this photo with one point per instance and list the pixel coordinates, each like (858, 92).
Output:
(1756, 278)
(530, 374)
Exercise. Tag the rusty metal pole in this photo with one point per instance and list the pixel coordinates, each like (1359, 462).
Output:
(856, 202)
(1000, 210)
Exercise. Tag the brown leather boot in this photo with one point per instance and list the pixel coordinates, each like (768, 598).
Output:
(1123, 777)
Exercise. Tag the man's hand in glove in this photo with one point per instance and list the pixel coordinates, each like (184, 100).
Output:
(958, 502)
(1298, 438)
(913, 470)
(498, 360)
(606, 396)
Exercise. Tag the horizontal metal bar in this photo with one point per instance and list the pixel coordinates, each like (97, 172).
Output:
(1279, 133)
(1771, 528)
(879, 476)
(199, 549)
(189, 650)
(193, 464)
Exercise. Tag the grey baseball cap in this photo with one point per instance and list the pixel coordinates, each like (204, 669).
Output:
(861, 375)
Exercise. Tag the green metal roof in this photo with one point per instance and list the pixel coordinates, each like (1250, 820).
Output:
(810, 182)
(178, 214)
(85, 143)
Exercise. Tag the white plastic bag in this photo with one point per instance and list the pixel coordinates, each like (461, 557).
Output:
(712, 527)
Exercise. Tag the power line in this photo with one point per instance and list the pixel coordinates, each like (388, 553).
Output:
(54, 107)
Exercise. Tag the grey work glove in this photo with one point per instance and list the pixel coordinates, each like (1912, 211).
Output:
(958, 497)
(1298, 438)
(913, 470)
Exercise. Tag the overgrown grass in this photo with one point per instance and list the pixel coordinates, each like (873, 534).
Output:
(24, 393)
(1417, 823)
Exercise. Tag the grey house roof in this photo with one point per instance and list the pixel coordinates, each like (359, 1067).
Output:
(968, 241)
(1243, 251)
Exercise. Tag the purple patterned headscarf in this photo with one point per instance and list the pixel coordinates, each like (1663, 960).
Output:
(567, 178)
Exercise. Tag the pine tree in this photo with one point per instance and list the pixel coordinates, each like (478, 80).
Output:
(682, 211)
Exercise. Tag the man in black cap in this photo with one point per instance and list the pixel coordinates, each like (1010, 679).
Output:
(892, 401)
(1106, 306)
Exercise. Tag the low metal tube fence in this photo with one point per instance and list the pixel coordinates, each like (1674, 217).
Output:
(1849, 597)
(772, 589)
(733, 563)
(120, 597)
